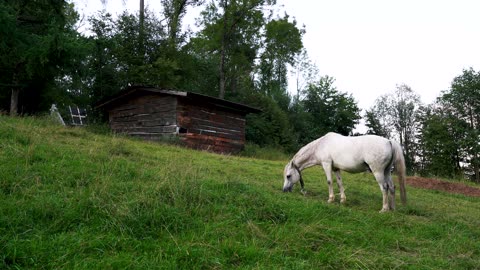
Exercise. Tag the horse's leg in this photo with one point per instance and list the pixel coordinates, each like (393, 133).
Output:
(343, 198)
(327, 167)
(380, 177)
(390, 186)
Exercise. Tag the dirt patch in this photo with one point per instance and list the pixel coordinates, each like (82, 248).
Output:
(429, 183)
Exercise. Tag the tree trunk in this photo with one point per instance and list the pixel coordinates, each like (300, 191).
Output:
(15, 93)
(175, 22)
(222, 55)
(141, 35)
(222, 73)
(476, 168)
(14, 101)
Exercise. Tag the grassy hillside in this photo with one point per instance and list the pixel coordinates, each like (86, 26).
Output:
(73, 199)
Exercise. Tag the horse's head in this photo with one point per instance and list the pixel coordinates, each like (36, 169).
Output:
(291, 175)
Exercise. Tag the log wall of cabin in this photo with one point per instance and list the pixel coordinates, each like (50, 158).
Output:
(207, 127)
(148, 117)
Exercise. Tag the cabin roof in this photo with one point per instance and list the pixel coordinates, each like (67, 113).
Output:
(133, 91)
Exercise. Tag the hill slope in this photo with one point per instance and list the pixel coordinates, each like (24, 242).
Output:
(70, 198)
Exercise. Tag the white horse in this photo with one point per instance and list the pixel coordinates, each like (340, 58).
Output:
(336, 153)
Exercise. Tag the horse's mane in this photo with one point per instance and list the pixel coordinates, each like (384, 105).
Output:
(306, 152)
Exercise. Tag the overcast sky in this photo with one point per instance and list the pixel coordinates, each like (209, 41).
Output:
(370, 46)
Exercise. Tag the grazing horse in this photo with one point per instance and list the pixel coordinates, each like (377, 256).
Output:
(336, 153)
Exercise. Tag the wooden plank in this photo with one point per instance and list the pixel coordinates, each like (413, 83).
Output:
(126, 112)
(157, 99)
(212, 139)
(157, 129)
(217, 135)
(143, 108)
(221, 124)
(159, 122)
(161, 114)
(125, 107)
(214, 130)
(147, 120)
(148, 129)
(143, 123)
(199, 122)
(212, 115)
(145, 117)
(147, 134)
(159, 109)
(125, 118)
(212, 143)
(209, 107)
(205, 108)
(223, 129)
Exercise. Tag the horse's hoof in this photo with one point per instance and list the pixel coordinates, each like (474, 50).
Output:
(383, 210)
(343, 200)
(331, 200)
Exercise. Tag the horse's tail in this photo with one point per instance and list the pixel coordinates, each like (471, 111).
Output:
(400, 169)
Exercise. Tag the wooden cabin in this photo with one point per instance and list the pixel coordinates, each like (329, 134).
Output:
(200, 121)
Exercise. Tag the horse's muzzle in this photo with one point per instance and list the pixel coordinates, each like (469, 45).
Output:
(287, 189)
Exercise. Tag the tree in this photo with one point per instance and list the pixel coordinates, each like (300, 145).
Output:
(283, 41)
(329, 110)
(271, 127)
(116, 60)
(464, 101)
(33, 49)
(399, 110)
(103, 64)
(440, 142)
(174, 11)
(305, 72)
(148, 65)
(232, 32)
(379, 118)
(375, 125)
(141, 25)
(71, 81)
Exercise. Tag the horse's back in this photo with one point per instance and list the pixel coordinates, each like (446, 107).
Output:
(359, 143)
(352, 153)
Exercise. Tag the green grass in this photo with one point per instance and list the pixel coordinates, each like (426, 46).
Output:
(75, 199)
(268, 153)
